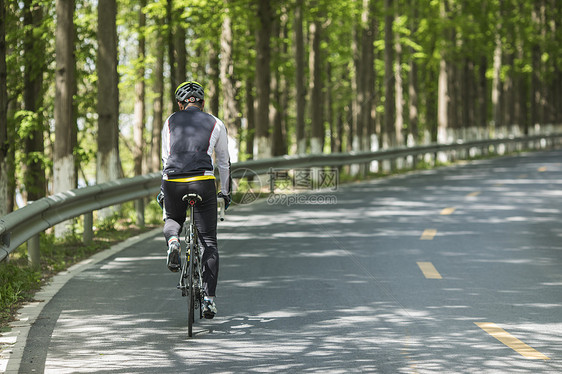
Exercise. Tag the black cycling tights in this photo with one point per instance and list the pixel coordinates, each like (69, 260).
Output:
(205, 219)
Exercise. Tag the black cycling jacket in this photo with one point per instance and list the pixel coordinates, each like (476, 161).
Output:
(188, 140)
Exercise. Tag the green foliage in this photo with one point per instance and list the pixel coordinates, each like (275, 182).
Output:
(465, 32)
(17, 283)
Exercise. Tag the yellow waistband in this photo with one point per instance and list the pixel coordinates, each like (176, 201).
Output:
(192, 179)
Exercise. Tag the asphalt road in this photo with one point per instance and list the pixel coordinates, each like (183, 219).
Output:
(454, 270)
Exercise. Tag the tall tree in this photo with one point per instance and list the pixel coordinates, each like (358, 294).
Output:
(179, 47)
(63, 158)
(398, 91)
(496, 80)
(413, 112)
(170, 20)
(263, 78)
(35, 65)
(3, 115)
(300, 82)
(278, 107)
(315, 62)
(370, 137)
(443, 85)
(536, 91)
(389, 136)
(229, 111)
(212, 90)
(108, 162)
(158, 102)
(140, 108)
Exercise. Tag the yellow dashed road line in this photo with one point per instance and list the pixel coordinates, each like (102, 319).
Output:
(428, 234)
(511, 341)
(447, 211)
(429, 271)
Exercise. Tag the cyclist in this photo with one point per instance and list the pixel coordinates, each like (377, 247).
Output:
(189, 138)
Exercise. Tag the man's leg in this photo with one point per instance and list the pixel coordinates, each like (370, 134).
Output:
(175, 210)
(206, 219)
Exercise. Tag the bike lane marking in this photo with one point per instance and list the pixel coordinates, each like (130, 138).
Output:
(428, 270)
(511, 341)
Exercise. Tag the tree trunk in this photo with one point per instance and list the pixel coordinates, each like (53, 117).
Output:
(399, 93)
(537, 85)
(413, 116)
(467, 113)
(363, 57)
(212, 92)
(140, 109)
(63, 158)
(508, 102)
(367, 81)
(229, 111)
(413, 111)
(315, 67)
(170, 21)
(482, 93)
(11, 156)
(34, 60)
(279, 90)
(276, 114)
(496, 84)
(250, 117)
(180, 52)
(158, 103)
(329, 108)
(263, 78)
(108, 163)
(3, 115)
(389, 138)
(300, 79)
(371, 142)
(443, 90)
(357, 97)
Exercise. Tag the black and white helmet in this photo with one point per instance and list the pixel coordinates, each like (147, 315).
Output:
(190, 92)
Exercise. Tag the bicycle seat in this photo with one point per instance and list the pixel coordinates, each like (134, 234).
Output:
(192, 198)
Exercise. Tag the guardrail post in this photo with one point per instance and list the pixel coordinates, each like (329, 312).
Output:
(33, 252)
(139, 206)
(88, 234)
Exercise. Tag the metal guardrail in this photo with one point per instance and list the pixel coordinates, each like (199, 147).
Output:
(338, 159)
(22, 224)
(25, 223)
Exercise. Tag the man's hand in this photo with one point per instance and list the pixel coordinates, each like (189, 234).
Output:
(227, 199)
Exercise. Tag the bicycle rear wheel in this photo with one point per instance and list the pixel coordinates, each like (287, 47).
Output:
(190, 291)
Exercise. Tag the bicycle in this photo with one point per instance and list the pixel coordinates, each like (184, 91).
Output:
(191, 279)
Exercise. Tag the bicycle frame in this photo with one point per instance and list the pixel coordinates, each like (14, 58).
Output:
(191, 276)
(191, 280)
